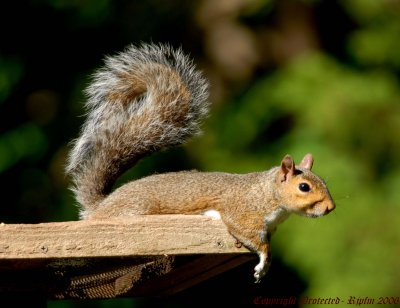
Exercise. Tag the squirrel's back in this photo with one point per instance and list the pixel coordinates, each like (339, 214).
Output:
(143, 99)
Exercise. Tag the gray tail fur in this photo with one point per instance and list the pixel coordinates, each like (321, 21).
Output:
(144, 99)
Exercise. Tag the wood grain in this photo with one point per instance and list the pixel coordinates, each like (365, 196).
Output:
(139, 236)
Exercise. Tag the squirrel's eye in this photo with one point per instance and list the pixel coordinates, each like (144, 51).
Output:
(304, 187)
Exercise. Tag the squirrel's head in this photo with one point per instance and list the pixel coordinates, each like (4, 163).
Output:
(302, 191)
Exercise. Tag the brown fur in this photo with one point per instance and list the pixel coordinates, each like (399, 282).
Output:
(144, 101)
(136, 87)
(251, 205)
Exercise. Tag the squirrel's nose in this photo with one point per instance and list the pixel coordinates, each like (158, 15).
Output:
(331, 206)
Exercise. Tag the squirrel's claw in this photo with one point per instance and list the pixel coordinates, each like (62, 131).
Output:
(238, 244)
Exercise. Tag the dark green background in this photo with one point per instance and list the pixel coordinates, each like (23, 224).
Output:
(287, 77)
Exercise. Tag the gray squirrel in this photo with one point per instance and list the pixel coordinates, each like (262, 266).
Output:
(151, 97)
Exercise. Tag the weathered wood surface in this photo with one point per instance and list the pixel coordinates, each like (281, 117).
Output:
(143, 256)
(139, 236)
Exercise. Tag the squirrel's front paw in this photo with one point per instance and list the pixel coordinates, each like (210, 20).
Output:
(260, 271)
(261, 268)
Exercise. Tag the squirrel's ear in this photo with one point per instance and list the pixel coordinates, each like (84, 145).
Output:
(307, 162)
(287, 167)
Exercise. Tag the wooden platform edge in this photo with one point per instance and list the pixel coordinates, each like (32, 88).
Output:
(155, 255)
(137, 236)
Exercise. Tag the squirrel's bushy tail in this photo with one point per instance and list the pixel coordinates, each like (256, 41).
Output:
(143, 99)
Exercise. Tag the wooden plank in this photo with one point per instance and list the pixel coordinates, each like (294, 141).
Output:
(139, 236)
(143, 256)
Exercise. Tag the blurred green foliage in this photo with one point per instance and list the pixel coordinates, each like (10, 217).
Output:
(338, 99)
(26, 141)
(10, 72)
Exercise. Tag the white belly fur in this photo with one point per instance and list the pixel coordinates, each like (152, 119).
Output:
(212, 213)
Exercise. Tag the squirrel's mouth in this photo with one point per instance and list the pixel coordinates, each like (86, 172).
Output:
(310, 212)
(315, 210)
(319, 209)
(313, 215)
